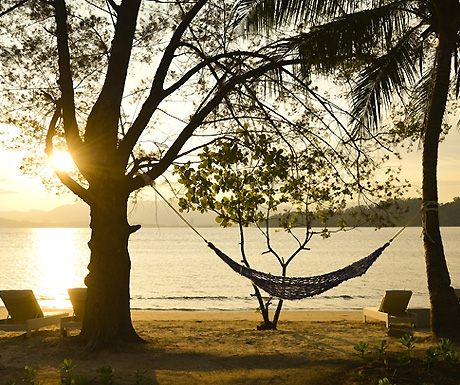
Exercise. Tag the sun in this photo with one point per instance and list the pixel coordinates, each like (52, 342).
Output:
(62, 161)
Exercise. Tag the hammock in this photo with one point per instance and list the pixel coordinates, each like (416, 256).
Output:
(301, 287)
(294, 287)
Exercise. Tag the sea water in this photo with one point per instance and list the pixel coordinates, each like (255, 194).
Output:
(172, 268)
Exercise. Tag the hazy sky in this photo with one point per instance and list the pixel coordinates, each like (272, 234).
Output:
(22, 193)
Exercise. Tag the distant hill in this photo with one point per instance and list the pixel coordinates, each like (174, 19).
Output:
(148, 214)
(409, 210)
(404, 212)
(449, 213)
(153, 214)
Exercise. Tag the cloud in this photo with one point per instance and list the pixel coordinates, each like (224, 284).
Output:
(6, 192)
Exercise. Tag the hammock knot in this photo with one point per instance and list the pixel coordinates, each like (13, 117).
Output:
(430, 206)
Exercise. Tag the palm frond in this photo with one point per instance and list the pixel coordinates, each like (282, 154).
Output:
(420, 99)
(388, 74)
(358, 36)
(266, 14)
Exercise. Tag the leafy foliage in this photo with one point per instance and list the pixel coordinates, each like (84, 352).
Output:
(247, 177)
(435, 365)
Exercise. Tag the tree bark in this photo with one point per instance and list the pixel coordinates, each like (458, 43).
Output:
(445, 310)
(107, 322)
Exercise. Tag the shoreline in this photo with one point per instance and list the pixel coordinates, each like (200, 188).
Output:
(233, 315)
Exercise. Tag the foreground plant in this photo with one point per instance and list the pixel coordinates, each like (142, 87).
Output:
(105, 374)
(66, 368)
(408, 341)
(439, 363)
(380, 347)
(443, 352)
(361, 347)
(30, 373)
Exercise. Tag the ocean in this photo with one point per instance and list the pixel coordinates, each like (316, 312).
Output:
(173, 269)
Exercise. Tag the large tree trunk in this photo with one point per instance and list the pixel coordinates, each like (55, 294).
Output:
(107, 320)
(445, 310)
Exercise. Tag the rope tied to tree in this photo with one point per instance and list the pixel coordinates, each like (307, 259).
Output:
(178, 213)
(427, 207)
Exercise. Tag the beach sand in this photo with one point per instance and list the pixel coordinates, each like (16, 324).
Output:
(198, 347)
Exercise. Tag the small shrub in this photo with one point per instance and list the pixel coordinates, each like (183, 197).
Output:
(105, 374)
(444, 347)
(361, 347)
(453, 357)
(139, 376)
(430, 356)
(408, 341)
(380, 348)
(29, 373)
(66, 367)
(79, 380)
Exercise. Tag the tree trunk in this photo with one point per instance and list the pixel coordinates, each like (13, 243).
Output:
(445, 310)
(107, 320)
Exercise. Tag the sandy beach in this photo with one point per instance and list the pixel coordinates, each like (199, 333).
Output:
(198, 347)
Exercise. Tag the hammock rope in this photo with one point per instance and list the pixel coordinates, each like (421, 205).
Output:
(293, 288)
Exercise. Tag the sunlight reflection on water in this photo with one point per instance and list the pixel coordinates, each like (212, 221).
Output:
(46, 260)
(55, 266)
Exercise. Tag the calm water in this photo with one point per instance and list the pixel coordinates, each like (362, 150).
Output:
(173, 269)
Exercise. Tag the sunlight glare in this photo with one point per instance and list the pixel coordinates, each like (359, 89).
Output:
(55, 265)
(62, 161)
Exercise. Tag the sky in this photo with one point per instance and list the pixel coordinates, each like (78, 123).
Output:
(24, 193)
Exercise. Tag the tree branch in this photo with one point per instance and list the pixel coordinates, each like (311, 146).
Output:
(157, 96)
(157, 93)
(67, 100)
(12, 8)
(103, 119)
(174, 43)
(199, 117)
(65, 178)
(114, 6)
(73, 186)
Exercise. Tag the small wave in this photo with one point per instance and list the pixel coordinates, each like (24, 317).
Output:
(203, 298)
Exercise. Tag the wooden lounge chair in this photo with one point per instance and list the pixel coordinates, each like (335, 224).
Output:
(77, 296)
(24, 312)
(393, 309)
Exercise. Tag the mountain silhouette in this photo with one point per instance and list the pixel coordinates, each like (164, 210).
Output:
(146, 213)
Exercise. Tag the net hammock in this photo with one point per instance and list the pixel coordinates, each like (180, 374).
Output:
(292, 288)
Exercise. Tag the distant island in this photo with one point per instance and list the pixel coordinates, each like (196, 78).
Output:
(405, 212)
(157, 214)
